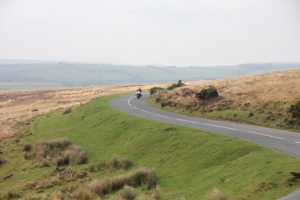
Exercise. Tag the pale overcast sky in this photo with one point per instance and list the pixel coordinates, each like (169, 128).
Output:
(164, 32)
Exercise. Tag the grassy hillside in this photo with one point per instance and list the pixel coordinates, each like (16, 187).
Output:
(263, 99)
(189, 163)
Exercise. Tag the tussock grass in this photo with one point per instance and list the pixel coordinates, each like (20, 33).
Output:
(12, 195)
(156, 195)
(101, 188)
(216, 194)
(128, 193)
(58, 152)
(117, 163)
(40, 197)
(140, 177)
(83, 193)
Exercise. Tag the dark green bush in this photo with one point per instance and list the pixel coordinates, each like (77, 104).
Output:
(207, 93)
(295, 110)
(176, 85)
(155, 89)
(27, 148)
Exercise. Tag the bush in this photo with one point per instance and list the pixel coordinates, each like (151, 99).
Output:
(176, 85)
(27, 148)
(155, 89)
(295, 110)
(207, 93)
(128, 193)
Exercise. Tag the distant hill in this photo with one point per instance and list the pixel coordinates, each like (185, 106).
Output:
(68, 74)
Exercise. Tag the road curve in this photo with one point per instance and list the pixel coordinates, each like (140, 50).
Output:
(278, 140)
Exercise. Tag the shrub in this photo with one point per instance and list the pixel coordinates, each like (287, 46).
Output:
(155, 89)
(295, 110)
(207, 93)
(176, 85)
(216, 195)
(67, 111)
(128, 193)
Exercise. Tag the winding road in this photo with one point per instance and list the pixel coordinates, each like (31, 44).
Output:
(278, 140)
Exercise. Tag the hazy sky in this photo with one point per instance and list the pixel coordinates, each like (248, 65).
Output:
(165, 32)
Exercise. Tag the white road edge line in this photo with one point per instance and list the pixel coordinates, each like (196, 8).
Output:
(255, 133)
(207, 124)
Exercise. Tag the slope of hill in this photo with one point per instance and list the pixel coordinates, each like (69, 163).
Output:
(263, 99)
(17, 107)
(188, 163)
(53, 74)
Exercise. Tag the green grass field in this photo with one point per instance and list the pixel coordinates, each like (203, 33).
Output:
(188, 162)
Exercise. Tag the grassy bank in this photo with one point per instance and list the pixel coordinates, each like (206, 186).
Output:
(263, 99)
(249, 116)
(188, 162)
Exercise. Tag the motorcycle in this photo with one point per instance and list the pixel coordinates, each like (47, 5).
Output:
(138, 95)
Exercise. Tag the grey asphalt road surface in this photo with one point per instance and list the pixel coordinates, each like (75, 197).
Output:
(278, 140)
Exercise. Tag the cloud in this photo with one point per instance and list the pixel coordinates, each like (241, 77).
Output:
(175, 32)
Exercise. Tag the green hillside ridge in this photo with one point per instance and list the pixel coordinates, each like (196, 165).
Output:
(189, 163)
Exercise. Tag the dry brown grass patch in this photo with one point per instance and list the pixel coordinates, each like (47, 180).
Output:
(216, 194)
(58, 152)
(2, 161)
(140, 177)
(128, 193)
(117, 163)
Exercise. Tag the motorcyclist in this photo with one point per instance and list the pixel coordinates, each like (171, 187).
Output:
(139, 93)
